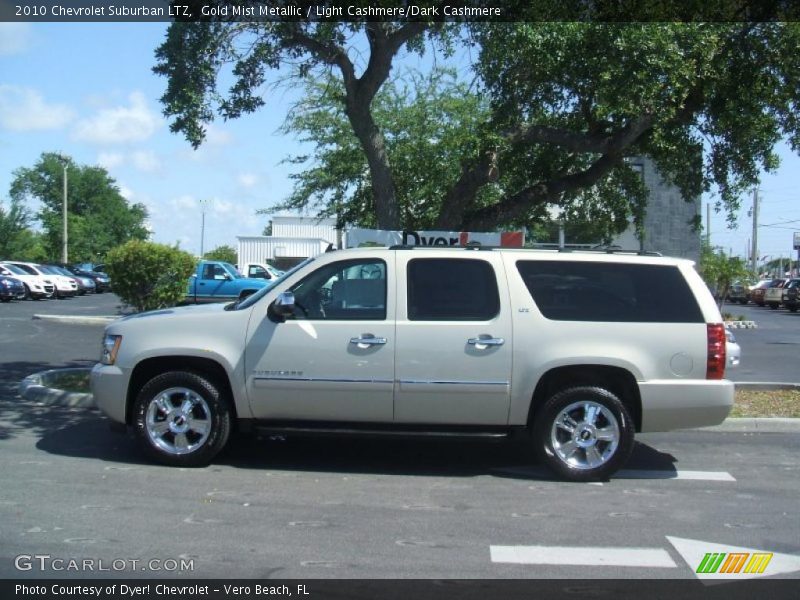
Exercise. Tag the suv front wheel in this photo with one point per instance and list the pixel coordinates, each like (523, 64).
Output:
(584, 434)
(182, 419)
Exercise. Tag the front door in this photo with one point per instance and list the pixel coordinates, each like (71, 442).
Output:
(334, 360)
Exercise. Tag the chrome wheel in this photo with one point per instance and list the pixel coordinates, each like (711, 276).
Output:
(585, 435)
(178, 421)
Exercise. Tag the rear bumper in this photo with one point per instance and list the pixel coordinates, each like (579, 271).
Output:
(668, 405)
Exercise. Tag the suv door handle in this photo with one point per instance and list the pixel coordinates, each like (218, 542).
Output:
(486, 341)
(367, 339)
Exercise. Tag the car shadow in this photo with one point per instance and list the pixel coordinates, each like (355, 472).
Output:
(91, 437)
(18, 414)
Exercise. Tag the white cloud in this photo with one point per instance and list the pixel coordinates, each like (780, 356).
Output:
(247, 181)
(110, 160)
(184, 202)
(121, 124)
(24, 109)
(14, 38)
(126, 192)
(217, 137)
(146, 161)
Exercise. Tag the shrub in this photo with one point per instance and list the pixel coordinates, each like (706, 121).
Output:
(149, 276)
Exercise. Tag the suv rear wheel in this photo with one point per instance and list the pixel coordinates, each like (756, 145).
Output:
(584, 433)
(182, 419)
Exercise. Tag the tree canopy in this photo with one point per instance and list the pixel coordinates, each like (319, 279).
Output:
(555, 113)
(99, 218)
(224, 253)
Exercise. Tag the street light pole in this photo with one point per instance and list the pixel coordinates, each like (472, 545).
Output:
(203, 204)
(64, 238)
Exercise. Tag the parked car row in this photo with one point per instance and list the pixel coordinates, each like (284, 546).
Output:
(774, 293)
(26, 280)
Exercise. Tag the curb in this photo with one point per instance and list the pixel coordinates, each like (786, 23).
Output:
(34, 387)
(740, 324)
(78, 320)
(755, 425)
(765, 386)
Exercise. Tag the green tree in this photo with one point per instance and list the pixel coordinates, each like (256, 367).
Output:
(99, 218)
(194, 53)
(147, 275)
(570, 103)
(719, 271)
(224, 253)
(581, 98)
(429, 122)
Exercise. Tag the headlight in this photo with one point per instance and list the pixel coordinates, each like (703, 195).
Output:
(110, 347)
(5, 282)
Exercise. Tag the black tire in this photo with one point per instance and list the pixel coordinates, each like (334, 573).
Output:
(773, 306)
(210, 408)
(611, 418)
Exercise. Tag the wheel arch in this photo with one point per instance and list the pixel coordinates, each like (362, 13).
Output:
(152, 367)
(617, 380)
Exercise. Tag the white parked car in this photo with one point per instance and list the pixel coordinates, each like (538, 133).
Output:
(732, 350)
(577, 351)
(36, 286)
(65, 287)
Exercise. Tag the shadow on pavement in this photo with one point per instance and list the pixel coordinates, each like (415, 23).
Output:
(88, 435)
(19, 414)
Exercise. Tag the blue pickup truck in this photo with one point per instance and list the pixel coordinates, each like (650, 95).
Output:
(217, 281)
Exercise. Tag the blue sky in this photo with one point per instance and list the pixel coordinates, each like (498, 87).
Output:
(87, 90)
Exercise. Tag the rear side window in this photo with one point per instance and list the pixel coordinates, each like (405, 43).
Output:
(615, 292)
(446, 289)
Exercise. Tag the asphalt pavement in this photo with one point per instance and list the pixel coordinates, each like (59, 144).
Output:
(353, 508)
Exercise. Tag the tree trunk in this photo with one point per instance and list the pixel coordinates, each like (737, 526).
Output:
(374, 145)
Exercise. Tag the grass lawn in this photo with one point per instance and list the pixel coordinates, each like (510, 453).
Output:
(775, 403)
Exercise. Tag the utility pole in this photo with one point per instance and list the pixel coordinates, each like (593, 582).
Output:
(754, 255)
(708, 224)
(64, 242)
(64, 256)
(203, 205)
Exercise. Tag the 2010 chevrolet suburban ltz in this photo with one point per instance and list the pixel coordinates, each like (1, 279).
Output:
(577, 350)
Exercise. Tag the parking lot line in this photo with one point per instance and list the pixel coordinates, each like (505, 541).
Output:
(582, 556)
(656, 474)
(680, 474)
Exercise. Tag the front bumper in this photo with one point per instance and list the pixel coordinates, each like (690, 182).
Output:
(110, 390)
(669, 404)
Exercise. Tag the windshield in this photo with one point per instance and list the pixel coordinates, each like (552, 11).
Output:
(231, 270)
(252, 299)
(29, 270)
(15, 269)
(62, 271)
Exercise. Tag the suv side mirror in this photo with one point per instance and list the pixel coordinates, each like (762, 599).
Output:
(282, 307)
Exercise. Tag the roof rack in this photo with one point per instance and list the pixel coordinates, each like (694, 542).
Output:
(479, 247)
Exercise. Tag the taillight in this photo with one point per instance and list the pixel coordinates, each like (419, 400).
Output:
(715, 367)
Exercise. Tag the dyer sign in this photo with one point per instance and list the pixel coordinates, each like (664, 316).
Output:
(359, 237)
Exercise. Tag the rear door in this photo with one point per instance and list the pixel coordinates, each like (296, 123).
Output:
(453, 356)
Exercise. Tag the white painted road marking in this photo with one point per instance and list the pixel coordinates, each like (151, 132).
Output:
(694, 551)
(582, 556)
(631, 474)
(662, 474)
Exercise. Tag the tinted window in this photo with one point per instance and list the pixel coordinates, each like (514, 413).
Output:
(591, 291)
(445, 289)
(349, 290)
